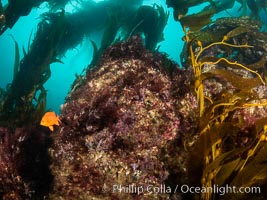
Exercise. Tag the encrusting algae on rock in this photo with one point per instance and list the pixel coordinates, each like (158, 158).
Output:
(121, 127)
(137, 120)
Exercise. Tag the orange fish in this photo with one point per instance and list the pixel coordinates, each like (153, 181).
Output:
(49, 119)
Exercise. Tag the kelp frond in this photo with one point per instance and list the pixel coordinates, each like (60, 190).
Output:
(197, 21)
(216, 113)
(198, 64)
(17, 58)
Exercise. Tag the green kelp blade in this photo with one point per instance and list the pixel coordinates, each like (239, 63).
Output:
(189, 3)
(110, 31)
(16, 63)
(41, 105)
(163, 17)
(24, 51)
(29, 41)
(56, 60)
(96, 53)
(17, 58)
(162, 22)
(95, 49)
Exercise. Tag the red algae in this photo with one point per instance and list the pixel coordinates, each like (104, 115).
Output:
(116, 126)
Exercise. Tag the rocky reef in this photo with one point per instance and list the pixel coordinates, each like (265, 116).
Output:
(122, 128)
(137, 126)
(24, 163)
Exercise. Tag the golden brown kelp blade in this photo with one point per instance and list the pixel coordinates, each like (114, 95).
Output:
(245, 84)
(232, 124)
(181, 7)
(197, 21)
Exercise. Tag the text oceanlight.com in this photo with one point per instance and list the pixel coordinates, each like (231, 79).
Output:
(215, 189)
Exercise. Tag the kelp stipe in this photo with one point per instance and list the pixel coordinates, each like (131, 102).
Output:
(223, 159)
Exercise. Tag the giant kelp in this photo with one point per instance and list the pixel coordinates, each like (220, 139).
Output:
(10, 13)
(24, 100)
(60, 31)
(16, 9)
(181, 7)
(203, 17)
(58, 4)
(151, 21)
(25, 97)
(232, 107)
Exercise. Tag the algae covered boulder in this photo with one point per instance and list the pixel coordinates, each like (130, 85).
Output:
(120, 126)
(24, 163)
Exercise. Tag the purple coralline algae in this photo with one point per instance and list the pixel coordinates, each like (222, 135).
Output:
(121, 127)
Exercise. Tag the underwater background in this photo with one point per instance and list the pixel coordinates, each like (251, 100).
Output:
(75, 60)
(133, 99)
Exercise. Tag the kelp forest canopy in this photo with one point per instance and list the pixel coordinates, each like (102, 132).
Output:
(203, 17)
(58, 31)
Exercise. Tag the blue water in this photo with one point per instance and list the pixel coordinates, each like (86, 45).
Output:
(77, 59)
